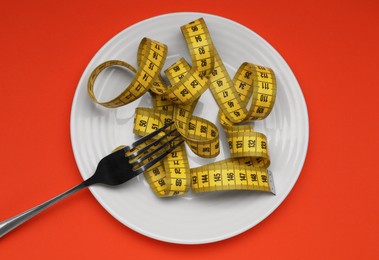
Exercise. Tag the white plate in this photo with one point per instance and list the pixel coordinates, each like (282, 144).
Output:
(192, 218)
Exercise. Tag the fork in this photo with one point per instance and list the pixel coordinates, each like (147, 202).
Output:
(114, 169)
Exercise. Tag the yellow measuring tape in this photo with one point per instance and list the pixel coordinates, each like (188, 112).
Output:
(249, 96)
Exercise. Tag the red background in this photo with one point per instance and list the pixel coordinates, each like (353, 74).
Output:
(332, 48)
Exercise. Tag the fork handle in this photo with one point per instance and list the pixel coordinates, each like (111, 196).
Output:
(13, 222)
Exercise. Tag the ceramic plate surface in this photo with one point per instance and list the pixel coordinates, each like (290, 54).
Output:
(191, 218)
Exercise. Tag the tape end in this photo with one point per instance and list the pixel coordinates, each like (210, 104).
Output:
(271, 182)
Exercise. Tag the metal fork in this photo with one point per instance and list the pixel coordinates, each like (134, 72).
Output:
(114, 169)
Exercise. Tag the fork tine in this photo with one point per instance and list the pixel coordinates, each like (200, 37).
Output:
(147, 137)
(157, 159)
(143, 149)
(148, 155)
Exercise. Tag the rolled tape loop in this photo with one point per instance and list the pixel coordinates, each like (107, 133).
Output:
(176, 101)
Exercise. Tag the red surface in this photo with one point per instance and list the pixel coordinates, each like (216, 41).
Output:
(331, 46)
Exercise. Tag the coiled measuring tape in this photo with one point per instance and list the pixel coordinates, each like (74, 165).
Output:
(254, 84)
